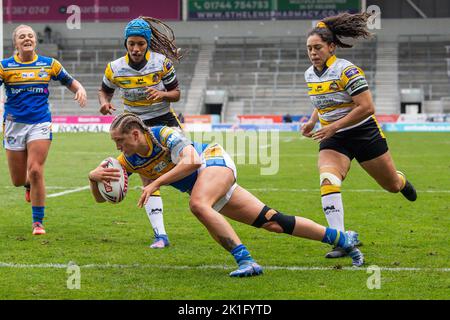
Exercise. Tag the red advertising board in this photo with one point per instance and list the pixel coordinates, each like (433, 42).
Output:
(91, 10)
(268, 118)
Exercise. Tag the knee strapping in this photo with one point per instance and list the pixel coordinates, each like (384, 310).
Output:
(287, 223)
(333, 187)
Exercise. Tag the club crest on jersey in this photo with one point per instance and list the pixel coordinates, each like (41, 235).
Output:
(42, 73)
(160, 166)
(334, 86)
(155, 78)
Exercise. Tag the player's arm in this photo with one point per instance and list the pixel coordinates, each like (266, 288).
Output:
(187, 163)
(170, 81)
(310, 124)
(79, 91)
(105, 95)
(106, 92)
(101, 174)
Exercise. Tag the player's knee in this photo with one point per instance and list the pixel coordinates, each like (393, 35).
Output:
(273, 227)
(198, 207)
(35, 172)
(274, 221)
(394, 186)
(329, 183)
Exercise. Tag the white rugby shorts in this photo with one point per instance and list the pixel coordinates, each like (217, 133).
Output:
(16, 135)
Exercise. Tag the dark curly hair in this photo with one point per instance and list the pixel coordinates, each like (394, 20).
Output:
(343, 25)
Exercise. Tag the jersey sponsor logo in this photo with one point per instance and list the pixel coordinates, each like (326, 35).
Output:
(41, 63)
(357, 84)
(125, 82)
(160, 166)
(319, 88)
(30, 89)
(12, 65)
(27, 75)
(351, 72)
(140, 81)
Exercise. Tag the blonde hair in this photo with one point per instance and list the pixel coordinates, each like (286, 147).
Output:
(128, 121)
(14, 34)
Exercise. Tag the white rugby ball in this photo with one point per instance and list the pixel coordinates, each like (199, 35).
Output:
(114, 191)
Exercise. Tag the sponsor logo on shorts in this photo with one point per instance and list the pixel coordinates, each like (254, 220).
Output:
(11, 140)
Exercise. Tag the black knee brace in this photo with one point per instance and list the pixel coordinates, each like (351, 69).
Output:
(287, 223)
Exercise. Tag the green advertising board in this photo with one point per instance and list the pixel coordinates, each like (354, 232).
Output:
(269, 9)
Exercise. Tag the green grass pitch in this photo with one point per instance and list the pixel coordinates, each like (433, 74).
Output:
(409, 241)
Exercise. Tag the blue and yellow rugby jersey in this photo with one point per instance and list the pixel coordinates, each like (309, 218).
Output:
(332, 89)
(157, 162)
(158, 73)
(26, 85)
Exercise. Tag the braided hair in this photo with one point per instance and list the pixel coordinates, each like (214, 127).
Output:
(163, 42)
(126, 122)
(343, 25)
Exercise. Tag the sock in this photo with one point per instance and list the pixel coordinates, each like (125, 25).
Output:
(332, 206)
(38, 214)
(334, 237)
(241, 254)
(154, 209)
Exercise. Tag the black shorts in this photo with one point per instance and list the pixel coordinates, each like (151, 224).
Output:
(364, 142)
(168, 119)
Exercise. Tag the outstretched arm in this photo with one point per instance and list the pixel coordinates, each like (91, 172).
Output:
(80, 93)
(188, 163)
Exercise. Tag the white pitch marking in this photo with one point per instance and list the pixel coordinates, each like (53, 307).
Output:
(54, 195)
(221, 267)
(346, 190)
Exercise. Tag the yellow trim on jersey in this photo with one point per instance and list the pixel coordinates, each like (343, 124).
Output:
(157, 193)
(17, 59)
(379, 127)
(330, 60)
(345, 80)
(150, 145)
(17, 83)
(343, 105)
(121, 158)
(319, 88)
(130, 82)
(164, 134)
(141, 103)
(324, 123)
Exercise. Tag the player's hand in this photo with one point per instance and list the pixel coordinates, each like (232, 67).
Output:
(324, 133)
(107, 108)
(147, 192)
(81, 97)
(153, 94)
(307, 129)
(102, 174)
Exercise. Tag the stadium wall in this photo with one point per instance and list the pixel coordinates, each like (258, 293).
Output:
(207, 31)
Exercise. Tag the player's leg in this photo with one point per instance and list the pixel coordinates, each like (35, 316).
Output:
(245, 207)
(333, 168)
(37, 154)
(154, 210)
(212, 184)
(382, 169)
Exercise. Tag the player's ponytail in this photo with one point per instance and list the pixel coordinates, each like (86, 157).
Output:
(163, 42)
(344, 25)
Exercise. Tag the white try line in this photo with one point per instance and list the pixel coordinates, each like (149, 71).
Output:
(54, 195)
(203, 267)
(69, 191)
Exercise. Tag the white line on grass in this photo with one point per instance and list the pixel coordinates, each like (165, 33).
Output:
(201, 267)
(54, 195)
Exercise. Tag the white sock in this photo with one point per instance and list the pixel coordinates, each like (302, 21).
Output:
(334, 210)
(154, 209)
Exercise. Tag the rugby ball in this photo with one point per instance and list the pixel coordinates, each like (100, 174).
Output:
(114, 191)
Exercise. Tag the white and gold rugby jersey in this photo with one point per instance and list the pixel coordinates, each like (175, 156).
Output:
(158, 73)
(331, 90)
